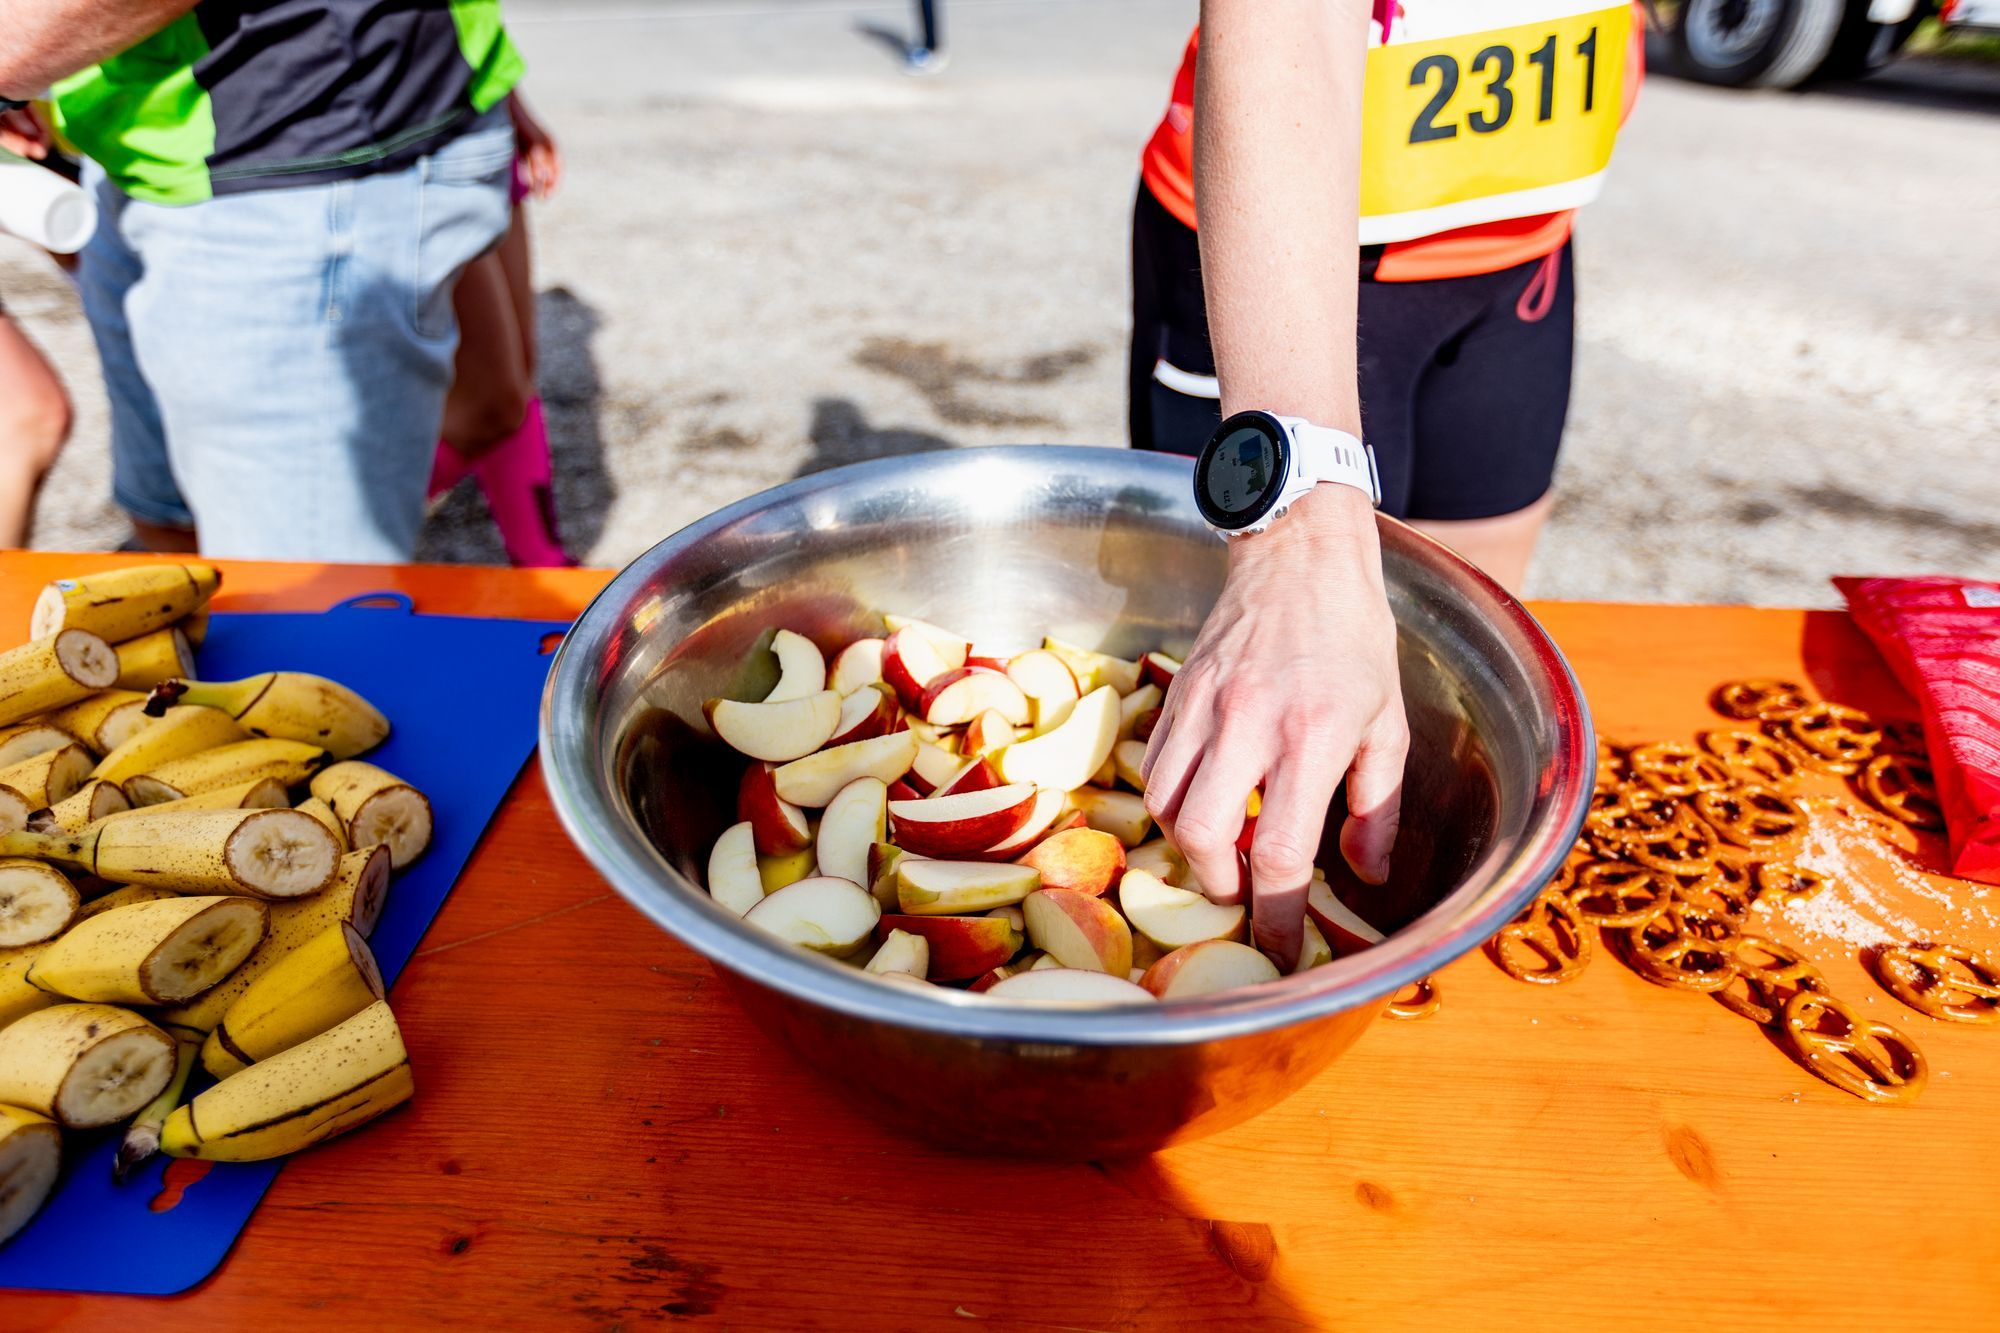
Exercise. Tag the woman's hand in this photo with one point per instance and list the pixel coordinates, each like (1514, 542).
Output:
(541, 159)
(23, 134)
(1293, 685)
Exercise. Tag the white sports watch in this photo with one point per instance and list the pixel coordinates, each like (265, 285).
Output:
(1257, 465)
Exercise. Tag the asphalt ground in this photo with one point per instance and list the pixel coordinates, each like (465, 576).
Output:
(777, 252)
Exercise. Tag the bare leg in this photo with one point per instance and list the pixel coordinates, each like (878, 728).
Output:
(517, 260)
(1502, 545)
(165, 540)
(491, 385)
(34, 422)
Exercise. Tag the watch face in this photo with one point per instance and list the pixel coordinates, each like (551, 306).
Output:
(1241, 471)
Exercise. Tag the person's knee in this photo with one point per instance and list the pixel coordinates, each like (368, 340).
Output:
(36, 419)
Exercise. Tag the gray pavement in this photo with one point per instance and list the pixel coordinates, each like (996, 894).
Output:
(776, 252)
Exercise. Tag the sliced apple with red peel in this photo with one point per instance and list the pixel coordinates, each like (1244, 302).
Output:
(933, 767)
(1173, 917)
(1343, 927)
(1093, 669)
(1079, 861)
(902, 952)
(1160, 859)
(1145, 953)
(1207, 968)
(961, 947)
(818, 778)
(985, 661)
(823, 914)
(733, 880)
(1049, 684)
(1119, 813)
(779, 826)
(855, 820)
(1069, 820)
(801, 667)
(950, 888)
(790, 729)
(865, 714)
(1129, 758)
(942, 737)
(965, 822)
(1158, 669)
(882, 859)
(1067, 756)
(1079, 930)
(952, 647)
(1314, 951)
(1067, 985)
(909, 664)
(956, 697)
(1136, 705)
(989, 732)
(856, 666)
(1144, 725)
(1049, 805)
(899, 790)
(972, 775)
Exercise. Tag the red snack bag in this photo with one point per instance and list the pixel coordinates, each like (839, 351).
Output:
(1941, 636)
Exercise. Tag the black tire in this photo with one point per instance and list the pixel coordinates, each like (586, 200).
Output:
(1755, 43)
(1862, 47)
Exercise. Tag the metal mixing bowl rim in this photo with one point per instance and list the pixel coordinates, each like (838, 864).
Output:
(620, 852)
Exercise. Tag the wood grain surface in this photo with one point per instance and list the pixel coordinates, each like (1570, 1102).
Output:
(600, 1141)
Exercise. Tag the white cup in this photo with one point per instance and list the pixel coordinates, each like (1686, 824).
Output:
(43, 209)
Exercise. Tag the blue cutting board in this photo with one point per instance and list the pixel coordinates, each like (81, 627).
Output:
(462, 695)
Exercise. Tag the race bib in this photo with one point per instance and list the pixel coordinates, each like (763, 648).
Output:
(1479, 110)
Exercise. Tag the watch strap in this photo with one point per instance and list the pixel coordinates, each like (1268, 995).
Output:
(1326, 454)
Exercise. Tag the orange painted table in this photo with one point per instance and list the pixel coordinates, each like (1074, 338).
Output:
(600, 1140)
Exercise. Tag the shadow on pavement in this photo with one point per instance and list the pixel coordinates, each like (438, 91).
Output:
(841, 434)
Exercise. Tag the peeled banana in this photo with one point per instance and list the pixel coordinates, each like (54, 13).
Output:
(152, 658)
(94, 800)
(182, 732)
(53, 673)
(25, 740)
(30, 1157)
(83, 1065)
(104, 721)
(121, 604)
(377, 807)
(325, 981)
(37, 903)
(49, 777)
(290, 762)
(323, 812)
(262, 853)
(152, 953)
(326, 1085)
(291, 705)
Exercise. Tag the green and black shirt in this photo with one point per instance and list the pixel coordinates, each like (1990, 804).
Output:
(243, 95)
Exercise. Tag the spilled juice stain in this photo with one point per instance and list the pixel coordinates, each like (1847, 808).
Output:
(180, 1175)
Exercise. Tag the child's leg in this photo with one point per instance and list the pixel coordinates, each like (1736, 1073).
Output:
(34, 422)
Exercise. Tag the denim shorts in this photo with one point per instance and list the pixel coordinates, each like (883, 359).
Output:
(277, 361)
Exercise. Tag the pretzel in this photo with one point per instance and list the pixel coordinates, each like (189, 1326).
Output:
(1750, 816)
(1422, 1004)
(1673, 769)
(1630, 812)
(1611, 769)
(1768, 974)
(1942, 980)
(1687, 849)
(1893, 832)
(1788, 883)
(1552, 933)
(1904, 736)
(1902, 788)
(1833, 738)
(1760, 700)
(1871, 1060)
(1614, 893)
(1751, 755)
(1727, 890)
(1684, 947)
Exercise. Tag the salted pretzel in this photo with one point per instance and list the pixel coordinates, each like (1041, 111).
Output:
(1751, 755)
(1893, 833)
(1728, 889)
(1750, 816)
(1788, 883)
(1547, 944)
(1902, 788)
(1904, 736)
(1760, 700)
(1768, 974)
(1684, 947)
(1833, 738)
(1942, 980)
(1611, 768)
(1871, 1060)
(1423, 1002)
(1618, 894)
(1686, 850)
(1673, 769)
(1629, 812)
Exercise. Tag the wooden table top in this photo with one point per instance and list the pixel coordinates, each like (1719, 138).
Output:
(600, 1140)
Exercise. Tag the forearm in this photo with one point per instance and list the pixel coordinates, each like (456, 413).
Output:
(1277, 159)
(46, 40)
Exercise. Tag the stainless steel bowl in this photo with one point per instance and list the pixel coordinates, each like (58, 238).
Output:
(1098, 546)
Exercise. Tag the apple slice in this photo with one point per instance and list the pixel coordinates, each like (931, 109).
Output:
(1068, 755)
(1049, 805)
(1049, 684)
(1145, 699)
(823, 914)
(733, 880)
(1160, 859)
(1145, 953)
(855, 820)
(856, 666)
(909, 664)
(1158, 669)
(779, 826)
(790, 729)
(902, 952)
(881, 881)
(1119, 813)
(1344, 930)
(1144, 725)
(1173, 917)
(818, 778)
(960, 946)
(1093, 669)
(942, 737)
(989, 732)
(986, 661)
(972, 775)
(956, 697)
(865, 714)
(801, 668)
(1128, 757)
(791, 867)
(1314, 951)
(1107, 775)
(1207, 968)
(1079, 861)
(965, 822)
(951, 648)
(899, 790)
(1067, 985)
(946, 888)
(1079, 930)
(933, 767)
(1014, 915)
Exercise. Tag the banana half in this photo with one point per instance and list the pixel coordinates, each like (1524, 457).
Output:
(83, 1065)
(30, 1156)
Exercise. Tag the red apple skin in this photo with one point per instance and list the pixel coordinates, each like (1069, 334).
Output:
(1073, 820)
(960, 838)
(1157, 669)
(879, 722)
(979, 776)
(934, 691)
(899, 790)
(985, 663)
(1080, 860)
(961, 946)
(758, 802)
(903, 648)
